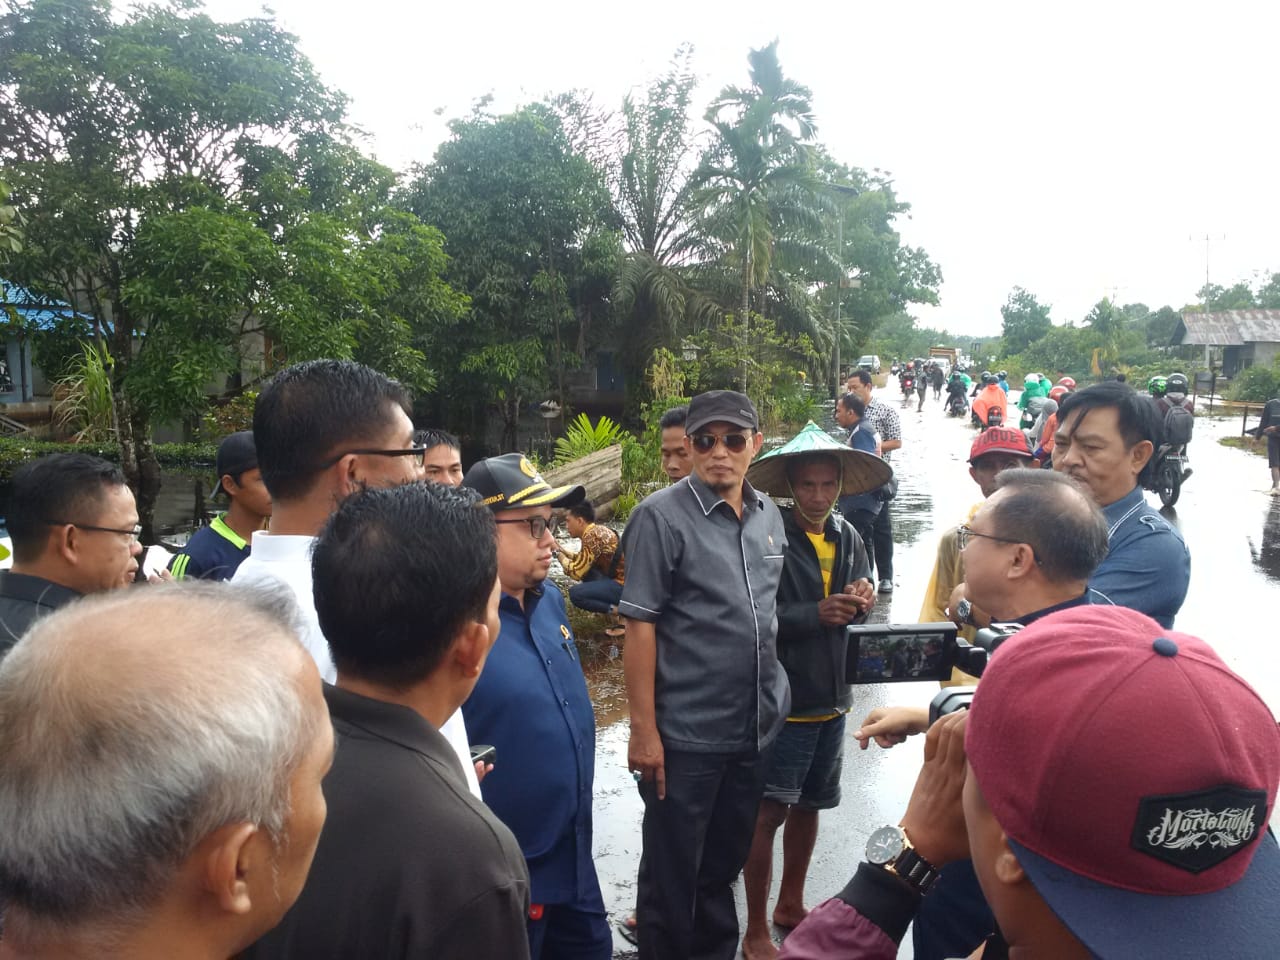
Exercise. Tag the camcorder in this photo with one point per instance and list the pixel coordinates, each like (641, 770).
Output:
(911, 652)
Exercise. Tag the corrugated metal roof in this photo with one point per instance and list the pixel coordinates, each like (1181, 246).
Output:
(1229, 328)
(37, 312)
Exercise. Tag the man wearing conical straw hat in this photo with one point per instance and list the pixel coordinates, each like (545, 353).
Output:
(825, 586)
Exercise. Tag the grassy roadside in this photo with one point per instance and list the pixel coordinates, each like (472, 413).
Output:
(1248, 444)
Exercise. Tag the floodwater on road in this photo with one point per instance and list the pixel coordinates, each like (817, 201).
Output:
(1230, 523)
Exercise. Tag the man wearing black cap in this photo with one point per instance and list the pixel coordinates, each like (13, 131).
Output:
(706, 692)
(214, 552)
(531, 703)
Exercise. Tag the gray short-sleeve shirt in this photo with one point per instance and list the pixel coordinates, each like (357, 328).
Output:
(709, 582)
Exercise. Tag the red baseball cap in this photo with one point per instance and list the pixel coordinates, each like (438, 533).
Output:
(1134, 775)
(1000, 440)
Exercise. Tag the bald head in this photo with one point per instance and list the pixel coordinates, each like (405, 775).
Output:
(133, 725)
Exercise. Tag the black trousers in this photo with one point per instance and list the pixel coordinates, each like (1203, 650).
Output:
(864, 522)
(695, 843)
(882, 534)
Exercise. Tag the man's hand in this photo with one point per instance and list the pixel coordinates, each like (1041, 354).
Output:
(934, 820)
(891, 725)
(483, 770)
(838, 610)
(645, 757)
(864, 592)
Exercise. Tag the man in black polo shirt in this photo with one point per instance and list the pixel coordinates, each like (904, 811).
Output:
(409, 864)
(706, 692)
(74, 527)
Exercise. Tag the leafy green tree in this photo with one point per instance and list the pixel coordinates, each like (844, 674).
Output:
(1236, 297)
(107, 123)
(528, 224)
(10, 225)
(1026, 320)
(1268, 296)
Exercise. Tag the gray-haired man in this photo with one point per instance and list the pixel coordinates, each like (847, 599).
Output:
(162, 755)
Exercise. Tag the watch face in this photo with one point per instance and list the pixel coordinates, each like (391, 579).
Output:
(963, 608)
(884, 845)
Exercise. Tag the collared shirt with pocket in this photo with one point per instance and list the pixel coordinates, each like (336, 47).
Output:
(708, 582)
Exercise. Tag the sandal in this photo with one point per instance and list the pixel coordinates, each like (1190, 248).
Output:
(628, 929)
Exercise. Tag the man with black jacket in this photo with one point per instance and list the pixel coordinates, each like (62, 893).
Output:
(825, 585)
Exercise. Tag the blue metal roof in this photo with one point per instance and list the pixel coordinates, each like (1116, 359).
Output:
(37, 312)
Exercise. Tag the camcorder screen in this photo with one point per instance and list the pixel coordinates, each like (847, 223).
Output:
(900, 652)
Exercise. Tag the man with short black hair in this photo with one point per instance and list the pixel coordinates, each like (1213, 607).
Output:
(888, 426)
(1106, 440)
(442, 457)
(676, 462)
(861, 509)
(410, 864)
(215, 551)
(74, 527)
(532, 704)
(163, 752)
(705, 689)
(324, 430)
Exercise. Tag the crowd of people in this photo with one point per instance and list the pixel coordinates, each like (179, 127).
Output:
(376, 740)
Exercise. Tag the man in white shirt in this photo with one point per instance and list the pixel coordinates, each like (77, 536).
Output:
(324, 430)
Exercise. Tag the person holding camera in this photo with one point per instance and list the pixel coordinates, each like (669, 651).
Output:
(1028, 552)
(1091, 835)
(826, 585)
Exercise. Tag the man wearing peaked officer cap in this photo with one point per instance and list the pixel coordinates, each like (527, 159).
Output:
(1118, 786)
(531, 704)
(706, 693)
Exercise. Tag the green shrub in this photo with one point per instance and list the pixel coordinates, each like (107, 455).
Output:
(582, 438)
(1256, 384)
(178, 457)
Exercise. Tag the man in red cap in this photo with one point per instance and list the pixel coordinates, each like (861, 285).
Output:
(1113, 782)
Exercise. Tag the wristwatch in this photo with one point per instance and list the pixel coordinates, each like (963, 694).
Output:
(964, 611)
(890, 848)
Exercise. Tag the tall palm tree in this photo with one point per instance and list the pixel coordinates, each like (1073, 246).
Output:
(755, 186)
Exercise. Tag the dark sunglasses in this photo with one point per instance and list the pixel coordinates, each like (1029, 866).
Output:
(537, 525)
(706, 442)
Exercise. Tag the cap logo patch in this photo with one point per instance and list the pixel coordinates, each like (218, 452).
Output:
(1197, 831)
(496, 498)
(527, 469)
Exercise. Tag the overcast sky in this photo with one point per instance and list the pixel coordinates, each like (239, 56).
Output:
(1079, 150)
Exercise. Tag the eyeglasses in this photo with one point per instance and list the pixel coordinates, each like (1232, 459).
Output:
(966, 533)
(132, 533)
(419, 454)
(706, 442)
(537, 525)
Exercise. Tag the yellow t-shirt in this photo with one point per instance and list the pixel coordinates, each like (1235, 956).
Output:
(826, 551)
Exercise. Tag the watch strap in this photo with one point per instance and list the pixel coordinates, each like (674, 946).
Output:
(914, 870)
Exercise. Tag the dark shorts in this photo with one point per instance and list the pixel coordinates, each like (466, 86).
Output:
(806, 765)
(1273, 451)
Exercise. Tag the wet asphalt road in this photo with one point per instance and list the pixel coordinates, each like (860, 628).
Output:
(1231, 525)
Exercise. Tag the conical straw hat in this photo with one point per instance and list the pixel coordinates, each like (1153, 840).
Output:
(860, 471)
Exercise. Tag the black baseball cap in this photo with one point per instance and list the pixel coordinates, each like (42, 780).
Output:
(236, 454)
(721, 406)
(510, 482)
